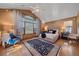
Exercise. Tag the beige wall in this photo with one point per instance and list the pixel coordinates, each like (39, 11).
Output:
(60, 23)
(74, 27)
(56, 25)
(6, 19)
(77, 23)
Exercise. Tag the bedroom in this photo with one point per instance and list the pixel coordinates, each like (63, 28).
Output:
(43, 29)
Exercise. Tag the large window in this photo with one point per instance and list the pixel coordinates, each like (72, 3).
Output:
(28, 28)
(68, 26)
(25, 25)
(28, 25)
(69, 29)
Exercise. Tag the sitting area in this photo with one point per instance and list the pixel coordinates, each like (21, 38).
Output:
(66, 35)
(9, 39)
(73, 36)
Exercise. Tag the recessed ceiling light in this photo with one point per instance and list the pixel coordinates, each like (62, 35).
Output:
(37, 10)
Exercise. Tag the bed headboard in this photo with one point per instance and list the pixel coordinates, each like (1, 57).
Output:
(53, 31)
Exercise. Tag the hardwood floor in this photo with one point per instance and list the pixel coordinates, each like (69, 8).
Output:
(68, 48)
(18, 50)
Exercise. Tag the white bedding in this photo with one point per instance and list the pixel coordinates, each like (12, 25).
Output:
(53, 37)
(49, 35)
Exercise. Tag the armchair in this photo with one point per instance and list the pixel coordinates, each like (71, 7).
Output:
(10, 39)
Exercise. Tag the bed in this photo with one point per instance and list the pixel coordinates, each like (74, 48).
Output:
(51, 36)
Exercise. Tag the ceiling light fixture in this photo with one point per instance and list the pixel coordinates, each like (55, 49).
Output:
(35, 9)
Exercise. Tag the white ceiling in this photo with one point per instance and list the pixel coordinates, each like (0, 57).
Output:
(47, 11)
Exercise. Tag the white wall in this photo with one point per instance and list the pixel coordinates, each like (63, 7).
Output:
(52, 12)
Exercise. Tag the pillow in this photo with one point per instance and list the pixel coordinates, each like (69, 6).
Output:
(54, 31)
(50, 31)
(12, 36)
(43, 35)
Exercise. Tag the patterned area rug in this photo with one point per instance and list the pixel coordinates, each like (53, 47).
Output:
(42, 48)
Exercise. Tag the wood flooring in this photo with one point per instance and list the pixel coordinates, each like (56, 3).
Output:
(68, 48)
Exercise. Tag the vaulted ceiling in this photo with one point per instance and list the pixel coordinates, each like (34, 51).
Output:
(47, 11)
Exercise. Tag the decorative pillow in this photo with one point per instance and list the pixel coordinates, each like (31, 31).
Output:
(43, 35)
(54, 31)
